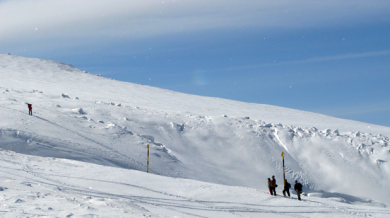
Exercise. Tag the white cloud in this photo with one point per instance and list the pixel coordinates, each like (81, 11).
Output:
(42, 19)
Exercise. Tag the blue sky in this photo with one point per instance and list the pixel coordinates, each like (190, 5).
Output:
(330, 57)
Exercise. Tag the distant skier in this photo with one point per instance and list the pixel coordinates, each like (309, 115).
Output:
(287, 187)
(29, 109)
(298, 189)
(269, 185)
(273, 186)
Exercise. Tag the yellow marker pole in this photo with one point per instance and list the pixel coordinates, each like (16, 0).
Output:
(284, 175)
(147, 169)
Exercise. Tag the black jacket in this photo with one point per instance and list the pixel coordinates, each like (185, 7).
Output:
(298, 187)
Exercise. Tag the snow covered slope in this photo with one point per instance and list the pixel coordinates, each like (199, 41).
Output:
(48, 187)
(81, 116)
(55, 78)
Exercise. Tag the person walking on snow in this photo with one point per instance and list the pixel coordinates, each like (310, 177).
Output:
(298, 189)
(29, 109)
(269, 185)
(287, 187)
(273, 186)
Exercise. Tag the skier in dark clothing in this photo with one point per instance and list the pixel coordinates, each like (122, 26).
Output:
(29, 109)
(273, 186)
(269, 185)
(287, 187)
(298, 189)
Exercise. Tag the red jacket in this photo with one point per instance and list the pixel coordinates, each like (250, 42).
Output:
(30, 106)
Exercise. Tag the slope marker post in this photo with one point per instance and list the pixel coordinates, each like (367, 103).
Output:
(284, 173)
(147, 168)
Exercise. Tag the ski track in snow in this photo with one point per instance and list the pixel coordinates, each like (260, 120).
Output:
(178, 203)
(135, 163)
(175, 202)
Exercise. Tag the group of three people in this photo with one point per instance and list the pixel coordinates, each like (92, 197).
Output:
(272, 187)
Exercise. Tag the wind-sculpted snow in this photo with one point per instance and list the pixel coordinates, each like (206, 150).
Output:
(33, 186)
(110, 123)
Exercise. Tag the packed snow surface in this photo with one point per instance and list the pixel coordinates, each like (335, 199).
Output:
(83, 152)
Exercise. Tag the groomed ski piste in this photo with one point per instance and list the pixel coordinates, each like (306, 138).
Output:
(83, 152)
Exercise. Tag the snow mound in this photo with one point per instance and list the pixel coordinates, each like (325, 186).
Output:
(79, 111)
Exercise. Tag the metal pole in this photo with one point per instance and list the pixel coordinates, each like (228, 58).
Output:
(147, 169)
(284, 173)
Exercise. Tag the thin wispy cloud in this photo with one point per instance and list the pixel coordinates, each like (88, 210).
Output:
(340, 57)
(42, 19)
(310, 60)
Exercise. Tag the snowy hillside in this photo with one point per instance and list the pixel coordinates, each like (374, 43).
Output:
(48, 187)
(84, 117)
